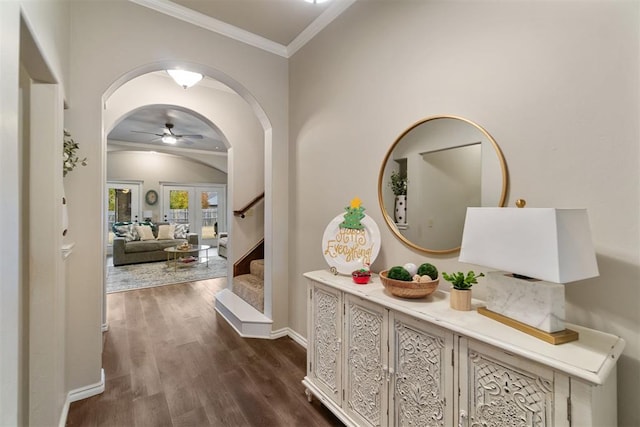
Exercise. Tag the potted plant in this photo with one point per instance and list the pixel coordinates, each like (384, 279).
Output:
(461, 292)
(398, 185)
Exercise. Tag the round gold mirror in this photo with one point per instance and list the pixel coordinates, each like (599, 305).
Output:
(434, 170)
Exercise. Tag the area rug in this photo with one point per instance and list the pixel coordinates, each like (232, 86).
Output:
(150, 274)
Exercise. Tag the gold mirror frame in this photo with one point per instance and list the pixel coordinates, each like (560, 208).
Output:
(389, 219)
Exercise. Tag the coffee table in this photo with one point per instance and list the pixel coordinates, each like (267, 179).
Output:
(175, 261)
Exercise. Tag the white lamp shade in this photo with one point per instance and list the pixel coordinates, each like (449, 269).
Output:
(147, 214)
(543, 243)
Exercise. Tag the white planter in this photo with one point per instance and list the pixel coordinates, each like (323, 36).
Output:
(401, 210)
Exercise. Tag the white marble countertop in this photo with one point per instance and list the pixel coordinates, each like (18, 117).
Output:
(591, 358)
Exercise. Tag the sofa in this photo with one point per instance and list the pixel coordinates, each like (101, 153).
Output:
(131, 248)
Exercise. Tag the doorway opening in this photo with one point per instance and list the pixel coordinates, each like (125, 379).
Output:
(123, 205)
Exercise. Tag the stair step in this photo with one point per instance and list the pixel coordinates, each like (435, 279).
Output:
(256, 267)
(245, 319)
(251, 289)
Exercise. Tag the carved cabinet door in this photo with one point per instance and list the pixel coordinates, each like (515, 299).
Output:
(499, 389)
(325, 332)
(422, 373)
(366, 362)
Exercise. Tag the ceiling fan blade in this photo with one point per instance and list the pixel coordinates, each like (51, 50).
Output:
(190, 136)
(148, 133)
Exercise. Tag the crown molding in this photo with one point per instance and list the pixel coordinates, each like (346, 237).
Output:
(196, 18)
(318, 25)
(208, 23)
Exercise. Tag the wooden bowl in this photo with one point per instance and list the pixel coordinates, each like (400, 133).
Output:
(403, 289)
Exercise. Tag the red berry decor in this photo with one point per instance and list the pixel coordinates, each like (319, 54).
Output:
(361, 277)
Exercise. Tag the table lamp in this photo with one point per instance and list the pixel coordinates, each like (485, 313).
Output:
(539, 250)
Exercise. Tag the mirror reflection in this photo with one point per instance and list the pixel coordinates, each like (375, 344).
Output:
(448, 164)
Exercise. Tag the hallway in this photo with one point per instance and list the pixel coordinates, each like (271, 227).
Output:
(171, 360)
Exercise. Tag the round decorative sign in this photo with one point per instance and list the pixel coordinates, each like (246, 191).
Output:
(349, 249)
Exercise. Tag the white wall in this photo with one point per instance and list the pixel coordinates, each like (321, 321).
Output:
(47, 54)
(151, 169)
(442, 182)
(108, 41)
(49, 22)
(555, 83)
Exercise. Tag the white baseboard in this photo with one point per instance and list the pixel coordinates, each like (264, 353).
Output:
(297, 337)
(279, 333)
(284, 332)
(79, 394)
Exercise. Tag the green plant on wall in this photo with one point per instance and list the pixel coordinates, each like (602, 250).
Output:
(69, 157)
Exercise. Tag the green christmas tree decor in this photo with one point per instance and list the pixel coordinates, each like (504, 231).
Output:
(355, 214)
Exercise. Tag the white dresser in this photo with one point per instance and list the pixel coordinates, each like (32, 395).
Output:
(377, 360)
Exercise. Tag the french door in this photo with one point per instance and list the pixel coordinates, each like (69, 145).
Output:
(203, 207)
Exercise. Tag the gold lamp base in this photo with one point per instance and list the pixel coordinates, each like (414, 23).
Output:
(554, 338)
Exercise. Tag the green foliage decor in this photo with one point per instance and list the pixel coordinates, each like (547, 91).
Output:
(460, 281)
(399, 273)
(428, 269)
(69, 157)
(398, 183)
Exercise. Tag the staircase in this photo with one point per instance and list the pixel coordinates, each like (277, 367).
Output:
(243, 307)
(250, 287)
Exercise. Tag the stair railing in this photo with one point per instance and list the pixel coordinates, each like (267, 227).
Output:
(242, 266)
(241, 213)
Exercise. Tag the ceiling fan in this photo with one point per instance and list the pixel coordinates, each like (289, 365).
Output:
(168, 136)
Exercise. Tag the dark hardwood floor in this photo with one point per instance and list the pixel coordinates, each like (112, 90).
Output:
(171, 360)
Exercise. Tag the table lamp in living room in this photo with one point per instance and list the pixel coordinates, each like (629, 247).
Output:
(538, 251)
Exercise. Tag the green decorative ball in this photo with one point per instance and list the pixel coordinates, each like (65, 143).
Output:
(428, 269)
(399, 273)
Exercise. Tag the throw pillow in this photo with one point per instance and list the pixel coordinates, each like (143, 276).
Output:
(127, 231)
(181, 231)
(144, 231)
(166, 232)
(150, 224)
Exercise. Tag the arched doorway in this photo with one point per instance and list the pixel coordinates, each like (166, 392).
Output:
(117, 104)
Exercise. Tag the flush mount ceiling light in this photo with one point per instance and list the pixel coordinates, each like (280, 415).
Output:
(186, 79)
(316, 1)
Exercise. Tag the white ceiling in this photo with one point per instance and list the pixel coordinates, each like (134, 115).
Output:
(277, 26)
(145, 128)
(280, 21)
